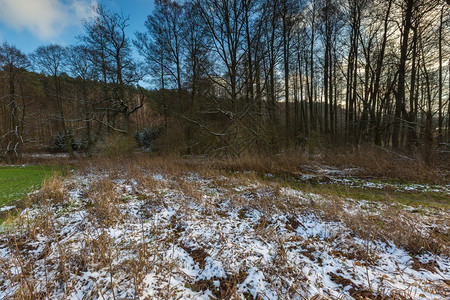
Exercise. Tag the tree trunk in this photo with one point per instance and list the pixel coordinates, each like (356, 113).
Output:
(440, 114)
(400, 95)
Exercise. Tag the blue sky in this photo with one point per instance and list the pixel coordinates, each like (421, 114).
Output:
(28, 24)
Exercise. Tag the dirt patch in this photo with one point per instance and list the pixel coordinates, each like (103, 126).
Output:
(176, 226)
(242, 213)
(292, 223)
(199, 255)
(341, 280)
(226, 287)
(363, 294)
(262, 224)
(429, 266)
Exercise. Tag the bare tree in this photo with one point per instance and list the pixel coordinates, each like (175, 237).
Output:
(13, 62)
(81, 67)
(50, 60)
(289, 11)
(106, 38)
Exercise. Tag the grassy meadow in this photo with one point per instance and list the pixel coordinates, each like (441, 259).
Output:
(17, 181)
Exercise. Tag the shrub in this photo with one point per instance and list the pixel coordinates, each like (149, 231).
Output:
(147, 136)
(117, 145)
(58, 142)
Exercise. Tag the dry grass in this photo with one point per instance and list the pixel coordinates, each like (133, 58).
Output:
(52, 189)
(105, 199)
(383, 163)
(391, 224)
(367, 162)
(246, 192)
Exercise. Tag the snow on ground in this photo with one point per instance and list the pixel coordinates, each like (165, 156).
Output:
(45, 155)
(188, 237)
(329, 175)
(6, 208)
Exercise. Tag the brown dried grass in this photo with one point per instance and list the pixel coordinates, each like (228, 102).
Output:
(105, 199)
(52, 189)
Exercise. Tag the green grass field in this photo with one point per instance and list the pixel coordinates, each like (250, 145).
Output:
(16, 182)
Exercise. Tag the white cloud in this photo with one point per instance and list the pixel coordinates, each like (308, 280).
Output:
(46, 19)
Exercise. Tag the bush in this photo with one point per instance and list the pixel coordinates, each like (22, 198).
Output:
(147, 136)
(58, 142)
(117, 145)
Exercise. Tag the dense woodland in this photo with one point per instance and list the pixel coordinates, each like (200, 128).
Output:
(238, 76)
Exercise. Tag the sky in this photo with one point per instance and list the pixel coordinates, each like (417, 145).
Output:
(28, 24)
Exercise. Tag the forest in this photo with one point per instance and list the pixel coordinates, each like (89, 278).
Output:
(233, 77)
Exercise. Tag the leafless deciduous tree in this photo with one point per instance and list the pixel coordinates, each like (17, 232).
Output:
(13, 62)
(107, 41)
(50, 61)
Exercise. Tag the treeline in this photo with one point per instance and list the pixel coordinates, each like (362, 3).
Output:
(37, 118)
(234, 76)
(274, 74)
(68, 98)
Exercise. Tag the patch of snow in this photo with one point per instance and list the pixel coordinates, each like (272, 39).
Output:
(6, 208)
(256, 285)
(213, 269)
